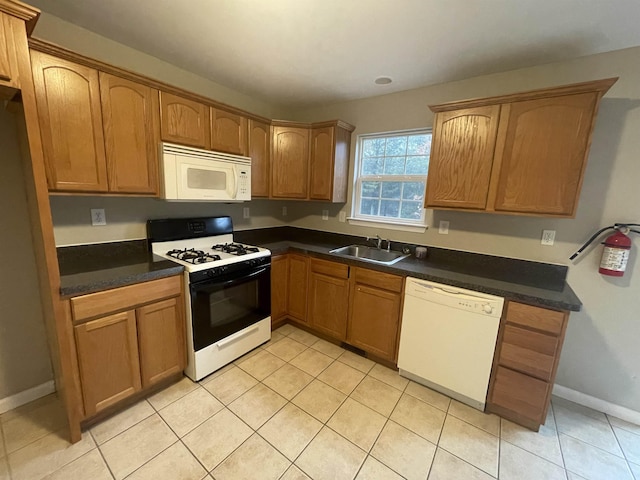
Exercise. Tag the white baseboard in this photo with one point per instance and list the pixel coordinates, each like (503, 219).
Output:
(26, 396)
(598, 404)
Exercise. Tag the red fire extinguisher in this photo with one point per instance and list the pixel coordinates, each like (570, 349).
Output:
(616, 249)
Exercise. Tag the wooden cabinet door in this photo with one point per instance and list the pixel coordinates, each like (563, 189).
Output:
(374, 317)
(328, 304)
(161, 340)
(68, 102)
(228, 132)
(8, 60)
(108, 360)
(290, 162)
(462, 157)
(298, 282)
(279, 286)
(321, 164)
(131, 117)
(260, 153)
(184, 121)
(544, 154)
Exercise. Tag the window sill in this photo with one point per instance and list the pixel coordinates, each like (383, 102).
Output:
(405, 227)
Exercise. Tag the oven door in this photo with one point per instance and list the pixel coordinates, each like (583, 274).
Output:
(224, 305)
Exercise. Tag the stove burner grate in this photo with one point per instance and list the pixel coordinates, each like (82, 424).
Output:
(235, 248)
(191, 255)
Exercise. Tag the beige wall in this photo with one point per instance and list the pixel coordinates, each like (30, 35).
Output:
(80, 40)
(601, 356)
(24, 355)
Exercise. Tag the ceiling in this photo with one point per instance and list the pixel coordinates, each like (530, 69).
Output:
(299, 53)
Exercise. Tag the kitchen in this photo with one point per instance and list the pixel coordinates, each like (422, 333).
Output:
(599, 338)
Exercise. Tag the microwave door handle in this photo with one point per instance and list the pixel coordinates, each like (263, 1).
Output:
(235, 183)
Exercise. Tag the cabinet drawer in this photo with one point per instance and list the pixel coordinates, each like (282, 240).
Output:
(385, 281)
(528, 352)
(521, 394)
(535, 317)
(103, 303)
(332, 269)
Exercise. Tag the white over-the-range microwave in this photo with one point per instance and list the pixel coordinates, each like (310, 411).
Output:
(193, 174)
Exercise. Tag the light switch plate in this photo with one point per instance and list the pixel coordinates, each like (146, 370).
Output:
(284, 211)
(325, 214)
(342, 217)
(245, 212)
(548, 237)
(98, 216)
(444, 227)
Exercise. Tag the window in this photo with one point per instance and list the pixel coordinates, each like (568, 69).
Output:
(391, 177)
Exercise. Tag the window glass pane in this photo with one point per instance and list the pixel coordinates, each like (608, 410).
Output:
(389, 208)
(369, 206)
(371, 189)
(391, 189)
(413, 191)
(419, 145)
(396, 146)
(372, 166)
(394, 165)
(373, 147)
(417, 165)
(411, 210)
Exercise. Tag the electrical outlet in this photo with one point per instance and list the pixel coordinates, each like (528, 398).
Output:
(98, 217)
(245, 212)
(342, 217)
(284, 211)
(325, 214)
(548, 237)
(444, 227)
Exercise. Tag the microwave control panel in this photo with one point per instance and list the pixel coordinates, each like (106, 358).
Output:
(244, 184)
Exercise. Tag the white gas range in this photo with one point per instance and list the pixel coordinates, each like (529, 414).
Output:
(227, 287)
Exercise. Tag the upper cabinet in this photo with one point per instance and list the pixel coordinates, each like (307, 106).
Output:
(517, 154)
(68, 102)
(290, 162)
(99, 132)
(184, 121)
(228, 132)
(329, 166)
(8, 58)
(260, 153)
(311, 161)
(130, 118)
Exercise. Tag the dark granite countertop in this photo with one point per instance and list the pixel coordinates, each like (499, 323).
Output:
(92, 268)
(520, 280)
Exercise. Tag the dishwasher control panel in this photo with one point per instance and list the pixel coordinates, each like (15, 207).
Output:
(455, 297)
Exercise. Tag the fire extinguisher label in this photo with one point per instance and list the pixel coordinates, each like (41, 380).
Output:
(614, 259)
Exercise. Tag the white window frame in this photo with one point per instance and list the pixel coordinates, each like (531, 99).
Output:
(390, 223)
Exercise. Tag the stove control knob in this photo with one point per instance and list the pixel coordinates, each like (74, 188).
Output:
(486, 308)
(210, 273)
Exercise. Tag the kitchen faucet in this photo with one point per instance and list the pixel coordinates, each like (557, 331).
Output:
(378, 241)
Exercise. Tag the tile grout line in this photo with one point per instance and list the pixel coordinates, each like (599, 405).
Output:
(624, 454)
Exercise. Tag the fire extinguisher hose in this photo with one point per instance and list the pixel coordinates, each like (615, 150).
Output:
(615, 226)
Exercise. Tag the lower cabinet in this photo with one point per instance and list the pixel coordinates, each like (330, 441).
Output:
(329, 298)
(374, 312)
(525, 364)
(297, 288)
(124, 352)
(351, 304)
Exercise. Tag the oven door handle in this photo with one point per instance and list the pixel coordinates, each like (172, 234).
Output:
(235, 337)
(226, 283)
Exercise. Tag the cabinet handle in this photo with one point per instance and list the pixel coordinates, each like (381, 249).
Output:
(235, 337)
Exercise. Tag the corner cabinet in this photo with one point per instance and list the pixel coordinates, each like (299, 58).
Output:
(521, 154)
(525, 363)
(290, 162)
(128, 339)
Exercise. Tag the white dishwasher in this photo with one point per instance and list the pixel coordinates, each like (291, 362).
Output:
(448, 338)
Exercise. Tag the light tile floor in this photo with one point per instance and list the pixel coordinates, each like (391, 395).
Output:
(298, 408)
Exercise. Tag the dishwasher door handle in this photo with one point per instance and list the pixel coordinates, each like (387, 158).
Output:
(449, 293)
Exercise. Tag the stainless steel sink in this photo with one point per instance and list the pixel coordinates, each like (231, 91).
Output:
(370, 254)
